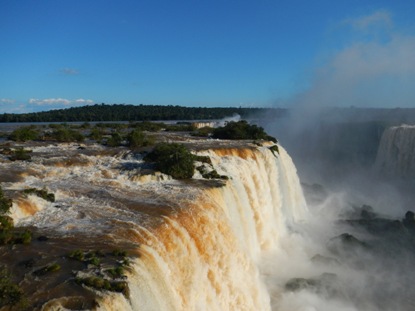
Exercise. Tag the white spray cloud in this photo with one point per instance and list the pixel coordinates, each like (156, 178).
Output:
(381, 18)
(375, 70)
(234, 118)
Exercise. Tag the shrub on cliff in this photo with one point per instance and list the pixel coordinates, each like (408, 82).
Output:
(172, 159)
(241, 130)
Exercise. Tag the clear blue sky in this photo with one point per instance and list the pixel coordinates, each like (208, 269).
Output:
(61, 53)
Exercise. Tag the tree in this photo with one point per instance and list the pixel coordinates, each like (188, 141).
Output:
(172, 159)
(241, 130)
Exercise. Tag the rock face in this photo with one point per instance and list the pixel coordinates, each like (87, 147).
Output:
(396, 153)
(326, 284)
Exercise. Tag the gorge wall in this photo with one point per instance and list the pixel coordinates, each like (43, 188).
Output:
(396, 153)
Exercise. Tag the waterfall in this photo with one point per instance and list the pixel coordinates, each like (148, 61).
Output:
(200, 242)
(396, 153)
(206, 256)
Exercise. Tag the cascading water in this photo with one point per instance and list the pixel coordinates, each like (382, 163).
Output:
(200, 242)
(396, 153)
(205, 258)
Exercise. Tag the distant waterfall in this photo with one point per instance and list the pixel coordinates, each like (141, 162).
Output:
(396, 153)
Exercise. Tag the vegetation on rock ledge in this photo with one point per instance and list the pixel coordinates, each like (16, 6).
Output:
(241, 130)
(41, 193)
(8, 234)
(172, 159)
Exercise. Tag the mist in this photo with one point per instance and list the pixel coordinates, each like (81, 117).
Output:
(345, 256)
(355, 251)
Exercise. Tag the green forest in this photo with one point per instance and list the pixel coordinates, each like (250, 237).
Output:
(121, 112)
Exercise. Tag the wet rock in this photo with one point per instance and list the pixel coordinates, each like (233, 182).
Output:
(42, 238)
(297, 284)
(325, 260)
(30, 263)
(367, 212)
(409, 220)
(326, 285)
(346, 245)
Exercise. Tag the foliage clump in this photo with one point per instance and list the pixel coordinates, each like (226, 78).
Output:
(212, 174)
(274, 149)
(93, 257)
(6, 223)
(24, 237)
(203, 159)
(119, 253)
(116, 272)
(101, 283)
(25, 133)
(241, 130)
(41, 193)
(205, 131)
(5, 203)
(136, 138)
(115, 140)
(111, 278)
(89, 257)
(64, 134)
(10, 293)
(47, 269)
(20, 154)
(8, 235)
(77, 255)
(172, 159)
(96, 134)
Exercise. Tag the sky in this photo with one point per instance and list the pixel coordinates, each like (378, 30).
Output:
(215, 53)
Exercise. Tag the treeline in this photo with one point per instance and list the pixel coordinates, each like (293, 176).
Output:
(104, 112)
